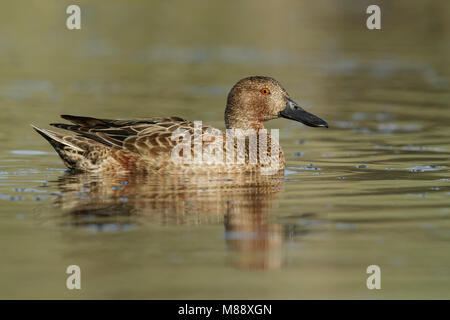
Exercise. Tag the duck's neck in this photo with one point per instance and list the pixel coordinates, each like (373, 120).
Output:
(242, 121)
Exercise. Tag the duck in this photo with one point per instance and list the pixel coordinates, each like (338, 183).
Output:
(146, 145)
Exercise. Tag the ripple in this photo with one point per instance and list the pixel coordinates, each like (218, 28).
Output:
(307, 168)
(298, 154)
(383, 147)
(25, 89)
(421, 148)
(345, 124)
(393, 127)
(346, 226)
(31, 152)
(29, 190)
(4, 196)
(426, 168)
(328, 155)
(417, 195)
(108, 227)
(286, 172)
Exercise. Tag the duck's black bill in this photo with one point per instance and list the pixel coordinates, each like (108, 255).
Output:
(294, 112)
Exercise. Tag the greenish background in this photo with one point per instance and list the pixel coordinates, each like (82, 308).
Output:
(372, 189)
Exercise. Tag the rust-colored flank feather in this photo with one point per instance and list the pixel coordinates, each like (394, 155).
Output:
(145, 145)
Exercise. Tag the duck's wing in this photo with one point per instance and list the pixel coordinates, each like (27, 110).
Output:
(129, 133)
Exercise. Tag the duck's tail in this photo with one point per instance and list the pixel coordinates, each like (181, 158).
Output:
(70, 148)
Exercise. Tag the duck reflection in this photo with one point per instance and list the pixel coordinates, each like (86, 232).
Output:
(240, 201)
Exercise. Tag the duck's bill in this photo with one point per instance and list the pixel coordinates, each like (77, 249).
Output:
(294, 112)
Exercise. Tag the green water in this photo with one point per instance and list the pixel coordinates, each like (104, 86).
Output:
(373, 189)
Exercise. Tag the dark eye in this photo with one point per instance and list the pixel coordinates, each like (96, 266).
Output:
(265, 91)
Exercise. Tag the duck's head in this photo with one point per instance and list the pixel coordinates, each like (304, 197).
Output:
(256, 99)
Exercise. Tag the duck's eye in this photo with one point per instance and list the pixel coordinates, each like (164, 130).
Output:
(265, 91)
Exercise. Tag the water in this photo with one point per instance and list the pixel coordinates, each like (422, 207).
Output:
(372, 189)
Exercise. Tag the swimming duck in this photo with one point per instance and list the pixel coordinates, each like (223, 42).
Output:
(146, 145)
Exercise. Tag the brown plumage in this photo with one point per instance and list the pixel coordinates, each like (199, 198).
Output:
(146, 145)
